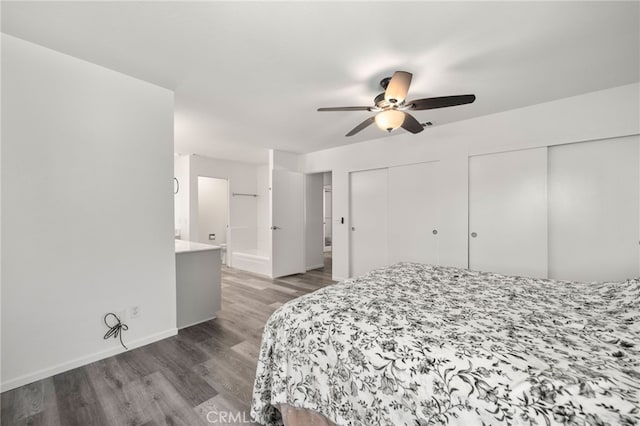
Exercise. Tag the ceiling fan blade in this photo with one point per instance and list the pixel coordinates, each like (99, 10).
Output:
(440, 102)
(353, 108)
(398, 87)
(411, 124)
(366, 123)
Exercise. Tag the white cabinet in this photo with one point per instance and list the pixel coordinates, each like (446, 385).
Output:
(508, 212)
(198, 282)
(368, 246)
(594, 210)
(414, 213)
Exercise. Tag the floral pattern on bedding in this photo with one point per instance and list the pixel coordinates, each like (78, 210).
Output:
(413, 344)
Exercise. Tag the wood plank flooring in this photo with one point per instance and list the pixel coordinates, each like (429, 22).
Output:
(202, 376)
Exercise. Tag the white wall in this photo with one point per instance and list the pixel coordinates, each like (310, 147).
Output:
(87, 218)
(313, 221)
(592, 116)
(181, 199)
(284, 160)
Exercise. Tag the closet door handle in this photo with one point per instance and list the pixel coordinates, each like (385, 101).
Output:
(273, 228)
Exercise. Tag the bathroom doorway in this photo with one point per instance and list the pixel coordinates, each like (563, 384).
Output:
(213, 213)
(318, 222)
(326, 208)
(327, 215)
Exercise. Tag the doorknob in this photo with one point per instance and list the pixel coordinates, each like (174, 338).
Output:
(474, 234)
(353, 228)
(273, 228)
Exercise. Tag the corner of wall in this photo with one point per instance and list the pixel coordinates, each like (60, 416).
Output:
(105, 243)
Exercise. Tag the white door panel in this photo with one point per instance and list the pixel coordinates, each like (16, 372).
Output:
(593, 210)
(287, 223)
(368, 248)
(508, 212)
(414, 213)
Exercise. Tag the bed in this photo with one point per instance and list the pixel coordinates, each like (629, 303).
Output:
(414, 344)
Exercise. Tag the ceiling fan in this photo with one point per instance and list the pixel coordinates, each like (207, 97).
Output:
(392, 104)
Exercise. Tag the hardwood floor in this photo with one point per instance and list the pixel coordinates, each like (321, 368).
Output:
(202, 376)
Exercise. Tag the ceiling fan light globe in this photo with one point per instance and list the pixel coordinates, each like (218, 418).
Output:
(389, 120)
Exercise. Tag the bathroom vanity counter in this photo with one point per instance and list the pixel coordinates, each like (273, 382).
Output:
(183, 246)
(197, 282)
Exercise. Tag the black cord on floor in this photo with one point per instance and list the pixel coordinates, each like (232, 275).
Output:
(116, 330)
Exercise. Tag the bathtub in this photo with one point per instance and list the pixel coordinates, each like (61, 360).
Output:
(251, 260)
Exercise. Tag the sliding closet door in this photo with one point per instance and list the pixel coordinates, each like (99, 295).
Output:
(593, 210)
(414, 213)
(508, 212)
(368, 246)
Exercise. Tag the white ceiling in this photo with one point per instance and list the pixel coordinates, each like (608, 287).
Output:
(249, 76)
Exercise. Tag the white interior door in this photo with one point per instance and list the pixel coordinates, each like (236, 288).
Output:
(368, 248)
(414, 213)
(593, 210)
(508, 212)
(213, 207)
(287, 223)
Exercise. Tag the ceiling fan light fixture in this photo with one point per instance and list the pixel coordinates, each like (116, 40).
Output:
(389, 120)
(392, 104)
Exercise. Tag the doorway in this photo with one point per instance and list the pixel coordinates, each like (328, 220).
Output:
(327, 223)
(213, 213)
(326, 208)
(318, 221)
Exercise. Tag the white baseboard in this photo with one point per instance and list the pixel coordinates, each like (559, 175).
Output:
(321, 265)
(197, 322)
(79, 362)
(338, 278)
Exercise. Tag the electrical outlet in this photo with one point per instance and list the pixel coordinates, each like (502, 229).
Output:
(135, 312)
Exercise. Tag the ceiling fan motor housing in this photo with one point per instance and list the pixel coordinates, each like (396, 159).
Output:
(382, 103)
(384, 83)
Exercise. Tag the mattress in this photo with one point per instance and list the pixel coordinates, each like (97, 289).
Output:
(414, 344)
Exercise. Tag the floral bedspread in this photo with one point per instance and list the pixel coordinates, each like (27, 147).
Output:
(413, 344)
